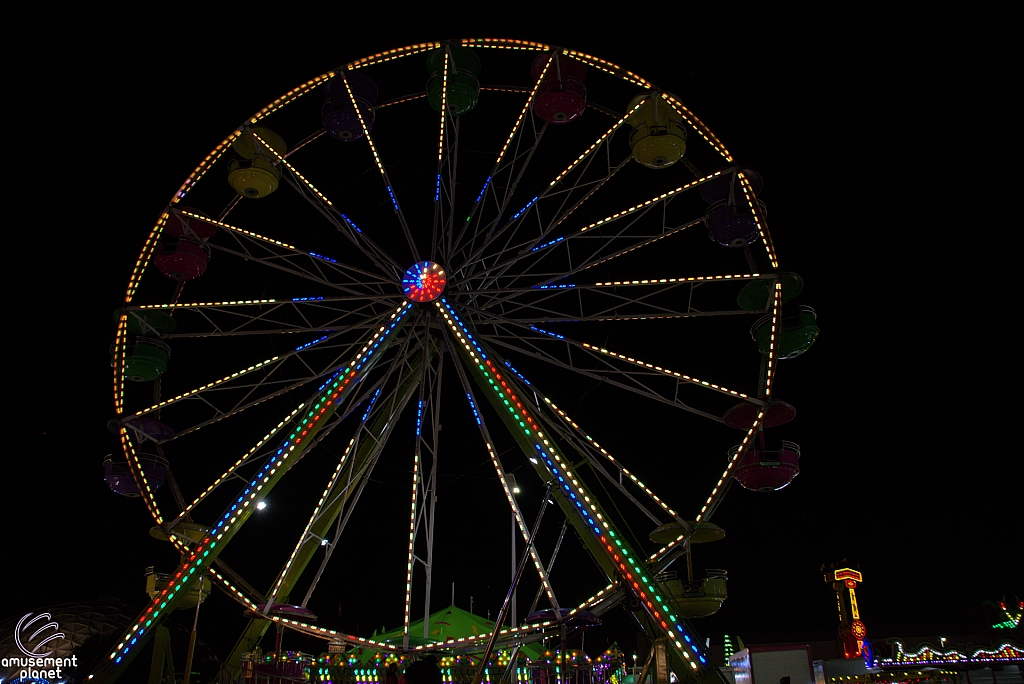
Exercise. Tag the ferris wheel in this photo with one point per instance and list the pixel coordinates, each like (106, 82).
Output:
(485, 231)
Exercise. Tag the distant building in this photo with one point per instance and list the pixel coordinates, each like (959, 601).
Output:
(965, 659)
(773, 664)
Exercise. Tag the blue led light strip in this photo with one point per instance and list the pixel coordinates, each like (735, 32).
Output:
(521, 211)
(483, 190)
(549, 334)
(518, 374)
(323, 258)
(547, 244)
(628, 564)
(310, 344)
(472, 405)
(370, 407)
(331, 394)
(351, 223)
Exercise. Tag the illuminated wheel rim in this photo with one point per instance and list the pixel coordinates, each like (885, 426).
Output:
(567, 263)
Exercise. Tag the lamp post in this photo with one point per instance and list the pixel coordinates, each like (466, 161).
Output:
(514, 488)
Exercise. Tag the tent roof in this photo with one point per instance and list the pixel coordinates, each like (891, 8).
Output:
(452, 623)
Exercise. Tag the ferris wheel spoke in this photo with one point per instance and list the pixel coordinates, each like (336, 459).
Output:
(447, 158)
(370, 392)
(547, 227)
(313, 533)
(552, 191)
(542, 572)
(545, 280)
(338, 509)
(649, 370)
(288, 316)
(424, 483)
(621, 308)
(325, 404)
(329, 211)
(383, 173)
(609, 375)
(309, 265)
(379, 437)
(250, 456)
(609, 247)
(267, 366)
(553, 248)
(220, 413)
(606, 366)
(588, 443)
(402, 99)
(585, 450)
(271, 389)
(290, 264)
(594, 526)
(598, 257)
(352, 274)
(340, 222)
(584, 445)
(515, 165)
(478, 256)
(632, 215)
(602, 601)
(611, 300)
(244, 595)
(715, 498)
(495, 172)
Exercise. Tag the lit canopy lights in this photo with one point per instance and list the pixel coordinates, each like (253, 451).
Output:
(627, 564)
(928, 655)
(316, 414)
(424, 282)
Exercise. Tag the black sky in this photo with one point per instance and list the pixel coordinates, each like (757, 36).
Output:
(879, 145)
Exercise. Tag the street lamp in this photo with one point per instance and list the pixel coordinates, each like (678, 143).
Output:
(510, 480)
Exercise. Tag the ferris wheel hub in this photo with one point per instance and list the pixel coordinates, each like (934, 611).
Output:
(424, 281)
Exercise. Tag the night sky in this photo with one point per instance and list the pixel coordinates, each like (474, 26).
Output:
(886, 191)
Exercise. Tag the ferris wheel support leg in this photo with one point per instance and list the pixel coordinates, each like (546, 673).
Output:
(504, 612)
(379, 428)
(611, 551)
(322, 407)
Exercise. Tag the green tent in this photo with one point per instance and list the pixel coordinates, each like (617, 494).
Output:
(448, 624)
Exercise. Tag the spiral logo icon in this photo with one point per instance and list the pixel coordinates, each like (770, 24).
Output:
(28, 644)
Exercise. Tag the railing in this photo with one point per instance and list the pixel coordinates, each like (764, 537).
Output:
(303, 669)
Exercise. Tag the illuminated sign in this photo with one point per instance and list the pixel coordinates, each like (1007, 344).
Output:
(848, 573)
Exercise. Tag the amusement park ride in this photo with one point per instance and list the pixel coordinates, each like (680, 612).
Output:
(580, 224)
(851, 629)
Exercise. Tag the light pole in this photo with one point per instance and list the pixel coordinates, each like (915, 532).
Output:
(514, 488)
